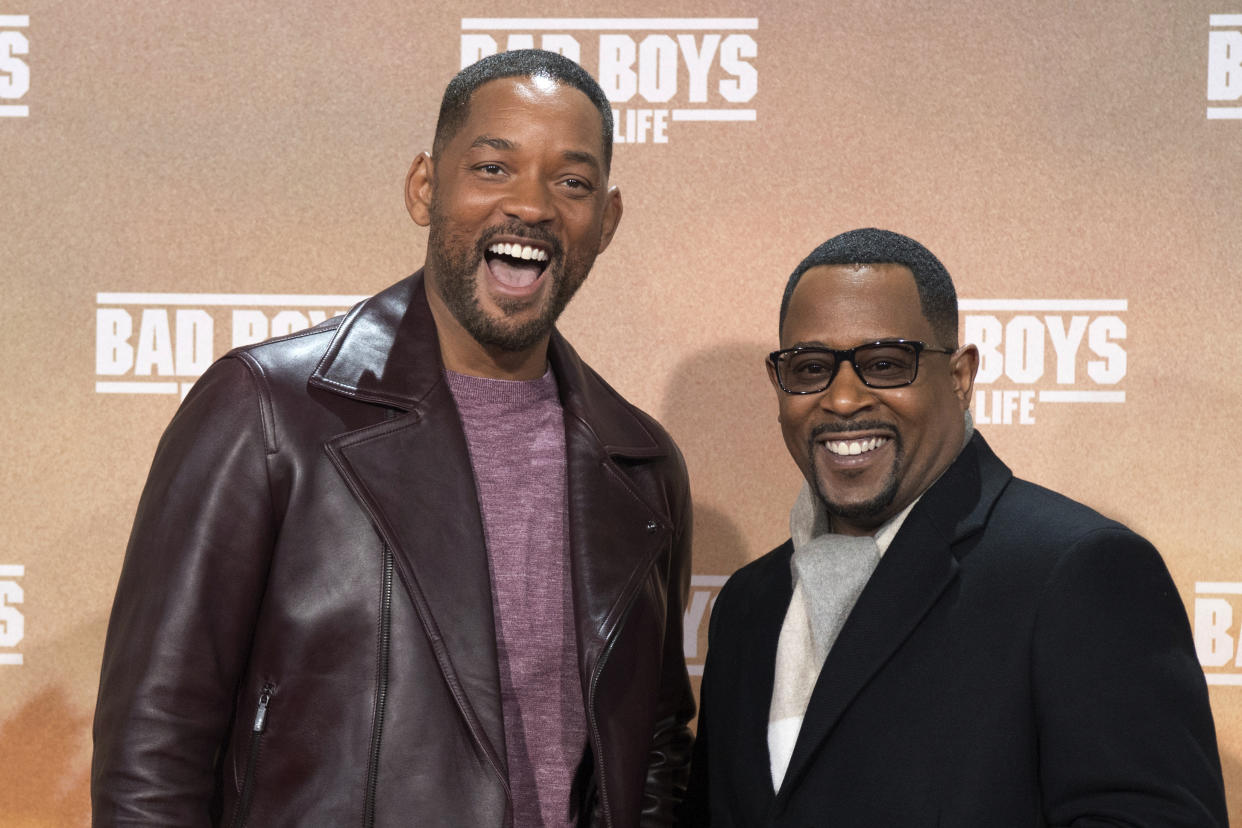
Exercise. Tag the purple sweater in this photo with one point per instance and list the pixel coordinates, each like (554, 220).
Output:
(516, 435)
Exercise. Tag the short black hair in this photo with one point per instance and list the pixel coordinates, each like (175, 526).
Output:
(519, 63)
(937, 297)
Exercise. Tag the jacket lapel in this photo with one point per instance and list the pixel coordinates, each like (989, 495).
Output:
(411, 473)
(427, 512)
(616, 527)
(911, 576)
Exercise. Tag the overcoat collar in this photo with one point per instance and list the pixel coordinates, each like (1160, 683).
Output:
(921, 562)
(411, 473)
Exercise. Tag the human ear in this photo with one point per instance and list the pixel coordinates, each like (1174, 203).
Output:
(612, 216)
(418, 189)
(776, 385)
(963, 365)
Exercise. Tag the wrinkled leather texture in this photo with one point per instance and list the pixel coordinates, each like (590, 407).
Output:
(310, 534)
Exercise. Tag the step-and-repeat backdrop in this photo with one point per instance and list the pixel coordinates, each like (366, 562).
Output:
(178, 178)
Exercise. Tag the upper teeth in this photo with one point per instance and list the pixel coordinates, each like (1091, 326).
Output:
(519, 251)
(855, 446)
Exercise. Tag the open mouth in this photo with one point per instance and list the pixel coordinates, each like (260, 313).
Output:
(516, 265)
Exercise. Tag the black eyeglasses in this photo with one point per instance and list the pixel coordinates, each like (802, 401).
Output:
(890, 363)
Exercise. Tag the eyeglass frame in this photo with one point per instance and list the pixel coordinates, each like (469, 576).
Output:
(847, 355)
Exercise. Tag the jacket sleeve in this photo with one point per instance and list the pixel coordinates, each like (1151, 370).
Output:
(185, 606)
(1126, 732)
(668, 764)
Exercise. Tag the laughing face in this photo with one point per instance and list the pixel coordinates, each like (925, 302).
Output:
(518, 206)
(869, 452)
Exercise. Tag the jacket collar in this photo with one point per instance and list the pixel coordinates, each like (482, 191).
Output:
(386, 351)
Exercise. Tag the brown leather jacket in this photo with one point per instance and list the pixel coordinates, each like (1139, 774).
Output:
(302, 633)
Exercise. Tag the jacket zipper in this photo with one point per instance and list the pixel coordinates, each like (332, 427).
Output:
(242, 812)
(595, 675)
(381, 690)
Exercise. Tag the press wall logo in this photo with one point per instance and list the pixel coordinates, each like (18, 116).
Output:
(12, 622)
(1216, 634)
(703, 592)
(658, 71)
(1044, 351)
(159, 343)
(14, 72)
(1224, 81)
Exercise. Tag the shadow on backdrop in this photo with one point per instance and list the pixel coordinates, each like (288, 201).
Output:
(46, 786)
(721, 410)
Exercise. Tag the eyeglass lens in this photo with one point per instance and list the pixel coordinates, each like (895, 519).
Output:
(879, 366)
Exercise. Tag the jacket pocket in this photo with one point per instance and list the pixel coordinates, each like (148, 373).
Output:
(242, 812)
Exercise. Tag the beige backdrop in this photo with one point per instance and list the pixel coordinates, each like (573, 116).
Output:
(178, 177)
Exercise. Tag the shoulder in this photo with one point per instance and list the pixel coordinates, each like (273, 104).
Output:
(247, 381)
(617, 422)
(293, 357)
(659, 435)
(1071, 557)
(979, 494)
(1040, 515)
(765, 578)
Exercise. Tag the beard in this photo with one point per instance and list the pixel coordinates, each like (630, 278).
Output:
(456, 259)
(873, 507)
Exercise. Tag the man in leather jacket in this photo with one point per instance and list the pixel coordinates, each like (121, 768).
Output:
(417, 565)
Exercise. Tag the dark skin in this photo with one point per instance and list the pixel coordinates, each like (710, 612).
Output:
(528, 161)
(905, 437)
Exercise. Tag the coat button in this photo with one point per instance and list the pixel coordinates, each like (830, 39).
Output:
(651, 527)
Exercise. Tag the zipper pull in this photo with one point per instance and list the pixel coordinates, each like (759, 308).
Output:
(260, 717)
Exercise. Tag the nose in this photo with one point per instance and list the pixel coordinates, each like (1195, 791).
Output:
(527, 200)
(846, 395)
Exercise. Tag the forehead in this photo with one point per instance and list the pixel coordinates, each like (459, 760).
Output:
(844, 305)
(538, 107)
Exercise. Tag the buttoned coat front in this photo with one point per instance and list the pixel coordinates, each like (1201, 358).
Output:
(303, 632)
(1015, 660)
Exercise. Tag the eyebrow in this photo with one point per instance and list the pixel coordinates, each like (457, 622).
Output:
(580, 157)
(825, 346)
(494, 143)
(572, 156)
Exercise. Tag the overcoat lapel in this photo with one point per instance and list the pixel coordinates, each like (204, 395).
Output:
(762, 631)
(911, 576)
(411, 474)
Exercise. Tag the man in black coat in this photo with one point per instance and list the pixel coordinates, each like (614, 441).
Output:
(939, 643)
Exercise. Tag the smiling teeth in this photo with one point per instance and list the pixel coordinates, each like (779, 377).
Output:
(519, 251)
(850, 447)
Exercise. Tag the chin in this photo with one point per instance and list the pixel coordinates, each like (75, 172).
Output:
(875, 508)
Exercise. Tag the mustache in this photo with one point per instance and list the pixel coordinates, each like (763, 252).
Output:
(513, 227)
(852, 425)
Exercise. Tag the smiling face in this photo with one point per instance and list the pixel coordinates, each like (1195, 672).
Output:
(869, 452)
(518, 206)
